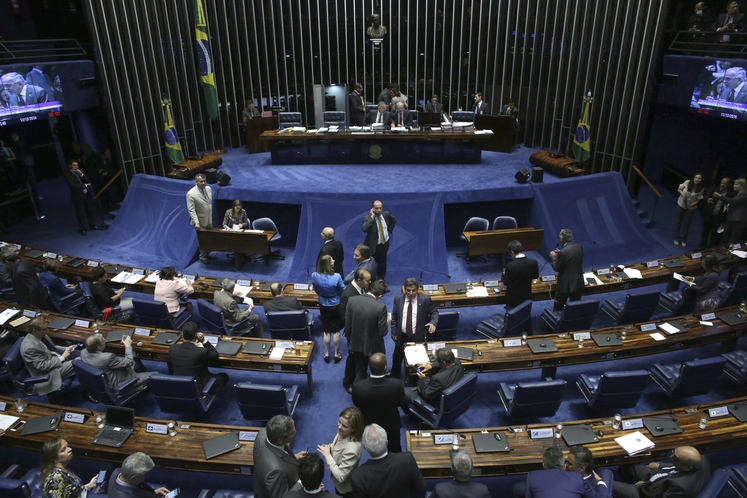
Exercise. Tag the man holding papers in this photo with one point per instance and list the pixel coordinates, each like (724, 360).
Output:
(688, 473)
(226, 300)
(413, 315)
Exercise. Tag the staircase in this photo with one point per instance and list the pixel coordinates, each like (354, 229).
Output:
(647, 221)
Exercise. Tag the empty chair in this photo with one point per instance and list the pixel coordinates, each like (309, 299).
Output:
(738, 474)
(636, 308)
(213, 317)
(719, 479)
(463, 116)
(678, 302)
(613, 389)
(20, 376)
(510, 323)
(68, 303)
(268, 225)
(334, 118)
(156, 314)
(532, 399)
(690, 378)
(454, 401)
(446, 330)
(26, 486)
(93, 308)
(262, 402)
(289, 119)
(730, 294)
(96, 384)
(414, 115)
(736, 365)
(576, 315)
(180, 394)
(474, 224)
(504, 223)
(290, 325)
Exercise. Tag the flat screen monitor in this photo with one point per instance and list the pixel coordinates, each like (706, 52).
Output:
(721, 89)
(29, 92)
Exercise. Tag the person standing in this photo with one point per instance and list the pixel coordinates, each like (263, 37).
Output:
(329, 287)
(713, 213)
(366, 326)
(344, 454)
(691, 192)
(81, 193)
(568, 262)
(736, 216)
(364, 261)
(332, 247)
(358, 287)
(200, 208)
(517, 277)
(357, 107)
(413, 315)
(275, 464)
(481, 107)
(378, 225)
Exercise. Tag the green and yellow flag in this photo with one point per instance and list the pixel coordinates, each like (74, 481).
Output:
(207, 75)
(581, 145)
(173, 147)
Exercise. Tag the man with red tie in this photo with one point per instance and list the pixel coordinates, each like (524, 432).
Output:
(401, 116)
(729, 22)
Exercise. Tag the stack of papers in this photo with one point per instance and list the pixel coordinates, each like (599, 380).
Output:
(399, 128)
(334, 129)
(298, 129)
(313, 131)
(483, 132)
(277, 353)
(128, 278)
(7, 315)
(634, 443)
(476, 291)
(415, 355)
(632, 273)
(739, 254)
(669, 329)
(6, 421)
(152, 278)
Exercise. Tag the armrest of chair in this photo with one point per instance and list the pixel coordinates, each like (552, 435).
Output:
(209, 386)
(309, 318)
(10, 472)
(36, 380)
(424, 405)
(127, 384)
(205, 493)
(181, 311)
(240, 324)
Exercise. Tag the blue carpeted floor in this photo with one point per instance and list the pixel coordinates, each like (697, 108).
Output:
(432, 203)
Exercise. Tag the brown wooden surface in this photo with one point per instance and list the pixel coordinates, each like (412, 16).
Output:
(254, 128)
(181, 452)
(722, 433)
(230, 241)
(496, 241)
(275, 136)
(504, 131)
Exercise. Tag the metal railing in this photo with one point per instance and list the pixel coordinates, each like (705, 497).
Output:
(20, 51)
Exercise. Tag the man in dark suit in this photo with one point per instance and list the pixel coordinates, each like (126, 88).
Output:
(22, 93)
(310, 477)
(129, 480)
(510, 109)
(581, 460)
(480, 106)
(192, 355)
(553, 481)
(363, 261)
(357, 108)
(400, 117)
(736, 216)
(517, 277)
(279, 302)
(684, 478)
(81, 193)
(713, 213)
(378, 116)
(378, 398)
(385, 475)
(275, 465)
(729, 22)
(333, 248)
(568, 262)
(460, 487)
(413, 315)
(378, 225)
(357, 287)
(735, 87)
(446, 371)
(26, 284)
(366, 326)
(434, 105)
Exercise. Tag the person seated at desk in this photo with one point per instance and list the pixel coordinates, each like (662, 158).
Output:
(460, 487)
(105, 296)
(129, 480)
(446, 371)
(279, 302)
(58, 290)
(191, 357)
(510, 109)
(118, 370)
(56, 480)
(225, 300)
(400, 117)
(236, 219)
(434, 105)
(42, 357)
(168, 290)
(380, 115)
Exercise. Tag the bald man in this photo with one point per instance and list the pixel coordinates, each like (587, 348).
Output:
(333, 248)
(684, 477)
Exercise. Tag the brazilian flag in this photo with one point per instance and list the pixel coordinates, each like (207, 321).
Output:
(173, 147)
(207, 75)
(581, 146)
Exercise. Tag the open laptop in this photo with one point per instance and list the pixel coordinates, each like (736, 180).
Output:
(455, 288)
(120, 423)
(42, 424)
(221, 444)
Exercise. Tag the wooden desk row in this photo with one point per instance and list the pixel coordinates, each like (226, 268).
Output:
(723, 433)
(299, 363)
(495, 357)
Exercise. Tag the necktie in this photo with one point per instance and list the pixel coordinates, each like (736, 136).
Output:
(378, 118)
(49, 346)
(204, 193)
(730, 97)
(381, 231)
(21, 99)
(408, 321)
(400, 123)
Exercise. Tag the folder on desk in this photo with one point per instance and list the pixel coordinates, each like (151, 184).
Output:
(41, 424)
(463, 353)
(455, 288)
(733, 319)
(118, 335)
(166, 338)
(33, 253)
(662, 426)
(60, 323)
(228, 348)
(490, 443)
(217, 283)
(579, 434)
(603, 340)
(542, 346)
(257, 347)
(221, 444)
(672, 263)
(739, 410)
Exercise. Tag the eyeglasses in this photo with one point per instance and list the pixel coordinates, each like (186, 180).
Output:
(674, 457)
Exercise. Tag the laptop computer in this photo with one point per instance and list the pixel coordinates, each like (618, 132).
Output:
(672, 263)
(118, 335)
(33, 253)
(75, 262)
(489, 443)
(661, 426)
(257, 347)
(739, 410)
(718, 255)
(115, 269)
(463, 353)
(733, 319)
(603, 340)
(579, 434)
(166, 338)
(221, 444)
(42, 424)
(218, 282)
(542, 346)
(60, 323)
(120, 423)
(228, 348)
(455, 288)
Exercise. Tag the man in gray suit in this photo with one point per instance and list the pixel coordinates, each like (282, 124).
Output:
(362, 257)
(366, 325)
(225, 300)
(118, 370)
(200, 208)
(275, 465)
(22, 93)
(42, 357)
(735, 85)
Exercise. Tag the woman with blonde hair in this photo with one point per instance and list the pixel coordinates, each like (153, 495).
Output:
(344, 454)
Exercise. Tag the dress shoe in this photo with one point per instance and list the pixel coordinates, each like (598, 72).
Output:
(83, 232)
(212, 256)
(338, 359)
(205, 260)
(90, 398)
(327, 359)
(349, 389)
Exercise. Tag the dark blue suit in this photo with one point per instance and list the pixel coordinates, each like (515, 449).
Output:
(456, 489)
(555, 483)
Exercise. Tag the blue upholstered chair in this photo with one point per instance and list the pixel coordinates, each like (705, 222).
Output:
(371, 107)
(446, 330)
(575, 315)
(730, 294)
(613, 389)
(179, 394)
(719, 479)
(93, 308)
(96, 383)
(156, 314)
(334, 118)
(532, 399)
(225, 493)
(290, 325)
(289, 119)
(736, 365)
(268, 225)
(510, 323)
(213, 317)
(474, 224)
(737, 479)
(453, 402)
(678, 302)
(414, 115)
(262, 402)
(463, 116)
(636, 308)
(26, 486)
(504, 223)
(18, 374)
(68, 303)
(690, 378)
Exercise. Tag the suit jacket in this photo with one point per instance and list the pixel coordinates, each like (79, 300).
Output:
(431, 386)
(298, 492)
(556, 483)
(77, 185)
(427, 313)
(456, 489)
(514, 112)
(371, 227)
(26, 285)
(569, 265)
(282, 303)
(406, 118)
(384, 96)
(39, 360)
(737, 208)
(483, 108)
(200, 209)
(371, 117)
(721, 20)
(740, 97)
(366, 325)
(394, 476)
(117, 369)
(595, 489)
(188, 359)
(349, 292)
(32, 95)
(708, 208)
(333, 248)
(439, 108)
(39, 78)
(275, 471)
(682, 484)
(368, 264)
(230, 307)
(378, 400)
(246, 114)
(117, 490)
(518, 277)
(357, 108)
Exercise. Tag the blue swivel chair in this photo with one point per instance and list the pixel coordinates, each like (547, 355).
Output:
(510, 323)
(225, 493)
(576, 315)
(213, 317)
(268, 225)
(453, 403)
(635, 308)
(474, 224)
(332, 118)
(463, 116)
(96, 384)
(155, 314)
(613, 389)
(737, 479)
(678, 302)
(21, 377)
(93, 308)
(691, 378)
(68, 303)
(262, 402)
(289, 119)
(736, 365)
(414, 115)
(504, 223)
(446, 330)
(290, 325)
(532, 399)
(27, 486)
(179, 394)
(371, 107)
(714, 487)
(730, 294)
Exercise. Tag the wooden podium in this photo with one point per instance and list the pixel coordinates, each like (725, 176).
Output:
(496, 241)
(254, 128)
(239, 242)
(504, 131)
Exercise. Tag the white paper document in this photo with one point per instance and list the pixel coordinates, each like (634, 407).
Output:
(241, 290)
(152, 278)
(739, 254)
(657, 336)
(669, 329)
(476, 291)
(592, 276)
(134, 278)
(277, 353)
(6, 421)
(121, 277)
(7, 314)
(632, 273)
(634, 443)
(415, 355)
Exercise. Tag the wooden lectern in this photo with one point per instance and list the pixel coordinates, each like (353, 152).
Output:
(504, 131)
(254, 128)
(496, 241)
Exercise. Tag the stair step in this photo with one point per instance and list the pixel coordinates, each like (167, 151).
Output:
(642, 212)
(636, 203)
(648, 222)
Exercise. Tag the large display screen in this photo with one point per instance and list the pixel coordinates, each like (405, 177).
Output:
(721, 89)
(29, 92)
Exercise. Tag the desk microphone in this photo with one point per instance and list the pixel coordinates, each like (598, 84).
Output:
(594, 242)
(308, 274)
(437, 428)
(543, 266)
(432, 271)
